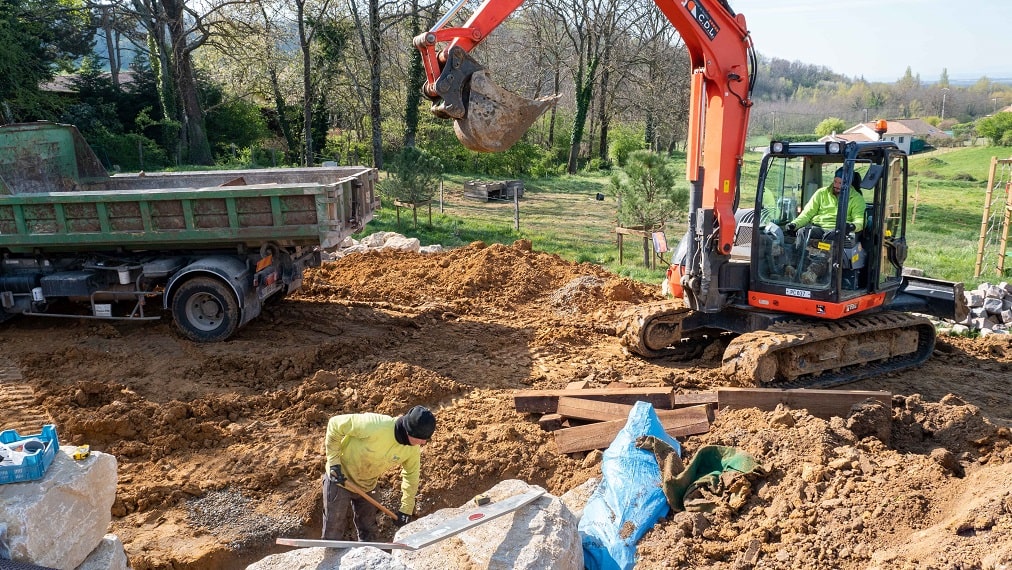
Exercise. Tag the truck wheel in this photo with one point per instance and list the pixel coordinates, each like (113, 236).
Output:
(205, 310)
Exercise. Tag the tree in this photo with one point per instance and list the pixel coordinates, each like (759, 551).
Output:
(997, 128)
(37, 37)
(830, 126)
(646, 193)
(414, 176)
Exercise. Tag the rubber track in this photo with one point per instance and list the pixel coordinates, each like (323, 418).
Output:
(745, 353)
(17, 400)
(634, 322)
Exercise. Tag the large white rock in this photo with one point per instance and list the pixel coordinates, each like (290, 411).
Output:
(402, 243)
(541, 534)
(57, 521)
(109, 555)
(364, 558)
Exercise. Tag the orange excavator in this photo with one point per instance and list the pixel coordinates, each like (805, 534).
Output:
(796, 307)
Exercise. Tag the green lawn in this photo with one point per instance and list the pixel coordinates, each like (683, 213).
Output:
(562, 215)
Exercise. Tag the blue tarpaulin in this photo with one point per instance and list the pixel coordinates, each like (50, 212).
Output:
(629, 500)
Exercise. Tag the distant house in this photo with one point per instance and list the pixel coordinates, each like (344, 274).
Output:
(908, 134)
(65, 83)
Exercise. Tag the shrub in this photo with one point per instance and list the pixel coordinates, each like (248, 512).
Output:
(414, 176)
(127, 152)
(623, 143)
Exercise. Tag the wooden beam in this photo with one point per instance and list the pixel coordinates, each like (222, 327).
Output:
(547, 401)
(693, 399)
(551, 422)
(677, 423)
(820, 403)
(585, 409)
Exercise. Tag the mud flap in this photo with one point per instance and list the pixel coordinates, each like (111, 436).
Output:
(496, 118)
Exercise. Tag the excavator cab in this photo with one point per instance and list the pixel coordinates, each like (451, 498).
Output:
(816, 270)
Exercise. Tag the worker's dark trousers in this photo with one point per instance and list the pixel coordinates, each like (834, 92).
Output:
(336, 500)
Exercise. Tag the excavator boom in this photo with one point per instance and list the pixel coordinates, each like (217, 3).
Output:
(488, 118)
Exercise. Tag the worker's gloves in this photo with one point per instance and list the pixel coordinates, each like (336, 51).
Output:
(402, 519)
(791, 227)
(850, 228)
(336, 475)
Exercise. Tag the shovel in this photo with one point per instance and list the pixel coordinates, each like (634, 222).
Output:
(360, 492)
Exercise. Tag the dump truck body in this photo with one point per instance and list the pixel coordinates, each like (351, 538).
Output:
(214, 245)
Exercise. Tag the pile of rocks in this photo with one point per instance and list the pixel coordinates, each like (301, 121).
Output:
(379, 241)
(990, 311)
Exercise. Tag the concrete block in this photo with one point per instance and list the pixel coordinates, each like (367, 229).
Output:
(59, 520)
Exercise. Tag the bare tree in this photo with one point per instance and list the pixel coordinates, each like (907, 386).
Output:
(176, 30)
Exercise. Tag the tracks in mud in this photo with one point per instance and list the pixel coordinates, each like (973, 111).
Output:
(17, 400)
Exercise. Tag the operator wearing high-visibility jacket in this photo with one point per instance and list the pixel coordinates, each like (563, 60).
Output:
(820, 211)
(360, 448)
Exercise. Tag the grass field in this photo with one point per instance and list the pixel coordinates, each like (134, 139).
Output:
(562, 216)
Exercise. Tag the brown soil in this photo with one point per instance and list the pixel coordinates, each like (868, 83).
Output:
(219, 445)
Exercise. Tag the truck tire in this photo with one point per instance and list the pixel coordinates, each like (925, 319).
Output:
(205, 310)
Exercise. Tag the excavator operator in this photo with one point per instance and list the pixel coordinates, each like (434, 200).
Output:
(820, 211)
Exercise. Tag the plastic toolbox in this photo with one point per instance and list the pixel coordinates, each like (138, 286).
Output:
(34, 465)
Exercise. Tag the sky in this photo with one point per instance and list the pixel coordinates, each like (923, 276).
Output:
(879, 39)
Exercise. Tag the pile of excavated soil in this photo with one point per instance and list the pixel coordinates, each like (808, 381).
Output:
(219, 445)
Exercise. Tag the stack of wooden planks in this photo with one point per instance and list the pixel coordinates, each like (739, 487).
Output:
(590, 418)
(584, 418)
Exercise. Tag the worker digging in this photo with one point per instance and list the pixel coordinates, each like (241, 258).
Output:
(360, 448)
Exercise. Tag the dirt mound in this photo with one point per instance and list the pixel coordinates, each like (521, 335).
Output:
(219, 446)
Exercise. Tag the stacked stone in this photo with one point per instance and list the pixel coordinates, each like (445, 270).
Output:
(990, 310)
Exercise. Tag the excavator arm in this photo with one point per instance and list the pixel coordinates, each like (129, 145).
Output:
(488, 118)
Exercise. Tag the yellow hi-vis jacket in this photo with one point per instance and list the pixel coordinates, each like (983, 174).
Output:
(365, 447)
(821, 210)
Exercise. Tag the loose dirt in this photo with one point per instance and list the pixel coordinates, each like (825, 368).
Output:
(219, 445)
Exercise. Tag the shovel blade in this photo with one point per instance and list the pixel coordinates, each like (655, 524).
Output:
(496, 118)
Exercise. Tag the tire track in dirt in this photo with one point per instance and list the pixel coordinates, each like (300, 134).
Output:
(17, 400)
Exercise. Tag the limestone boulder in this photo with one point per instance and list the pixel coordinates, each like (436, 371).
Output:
(58, 520)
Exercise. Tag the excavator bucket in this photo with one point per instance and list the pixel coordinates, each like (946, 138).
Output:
(495, 118)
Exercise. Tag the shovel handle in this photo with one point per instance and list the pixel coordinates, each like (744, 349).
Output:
(360, 492)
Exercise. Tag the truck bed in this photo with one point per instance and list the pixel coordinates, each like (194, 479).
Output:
(200, 210)
(56, 197)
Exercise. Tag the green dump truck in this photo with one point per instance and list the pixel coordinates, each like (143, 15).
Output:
(213, 246)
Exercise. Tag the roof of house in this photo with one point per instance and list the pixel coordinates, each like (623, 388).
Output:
(848, 137)
(65, 83)
(901, 127)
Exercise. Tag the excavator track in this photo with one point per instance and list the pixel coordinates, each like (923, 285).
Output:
(654, 330)
(824, 354)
